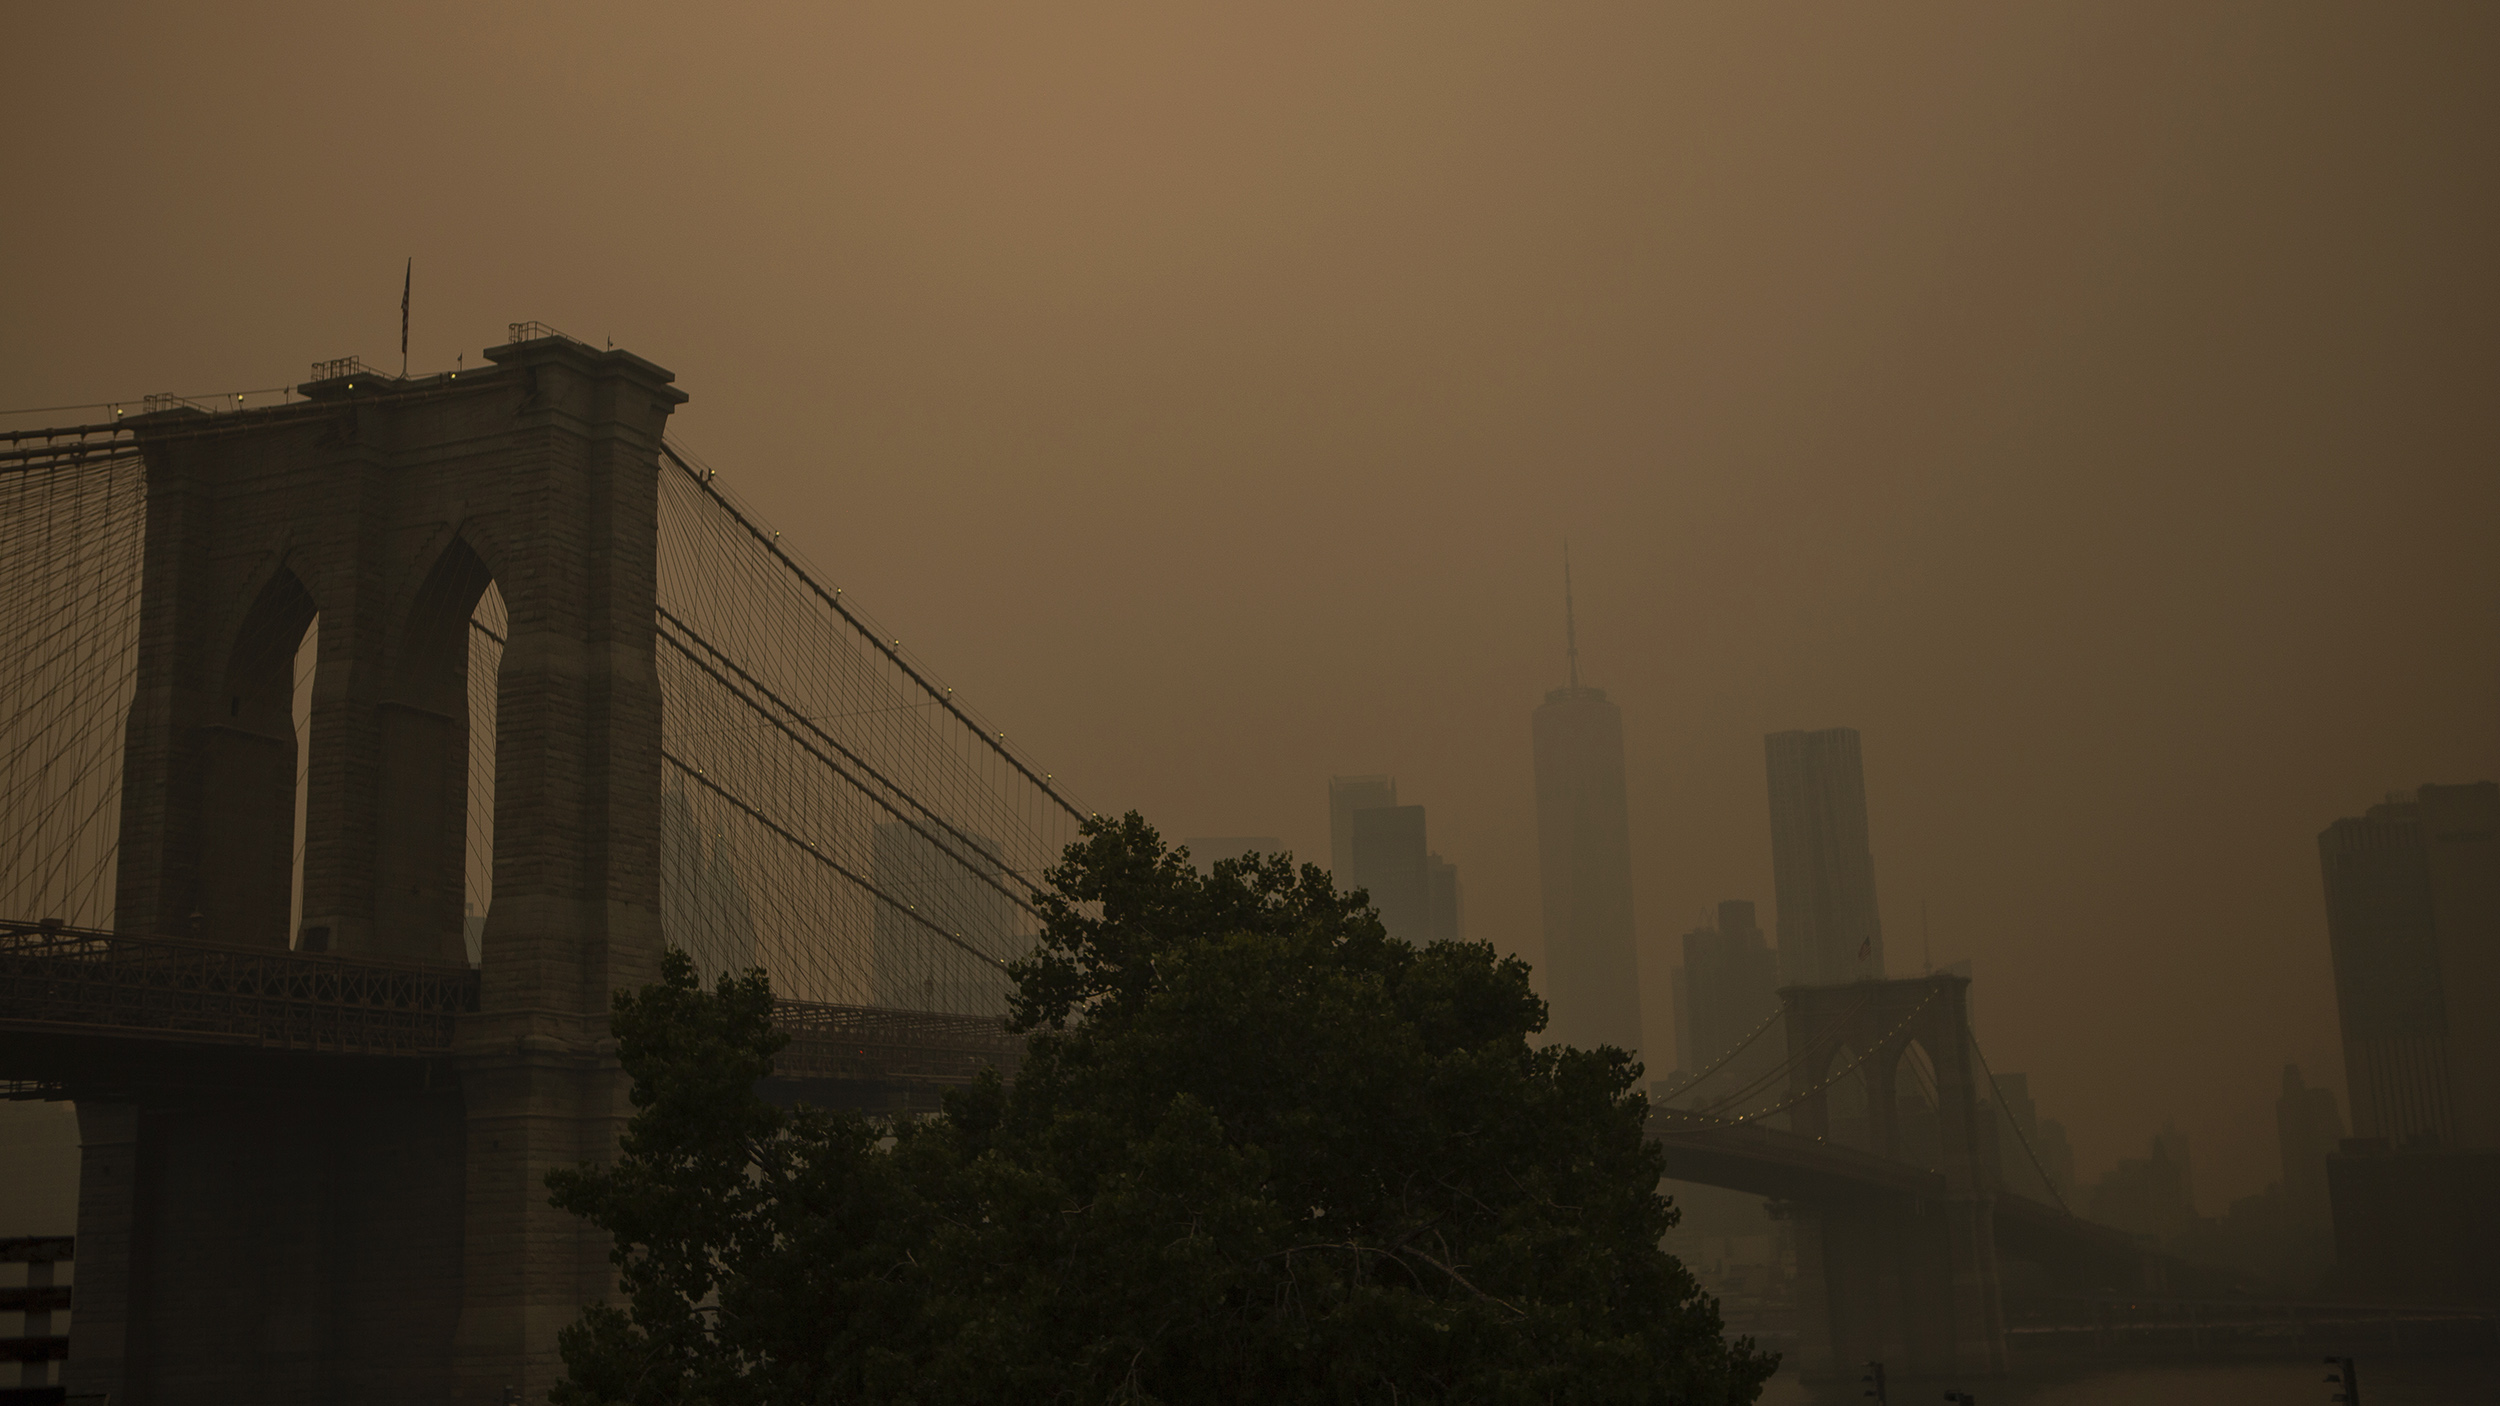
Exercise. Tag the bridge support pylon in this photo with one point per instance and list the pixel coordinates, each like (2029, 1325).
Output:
(1913, 1282)
(384, 1237)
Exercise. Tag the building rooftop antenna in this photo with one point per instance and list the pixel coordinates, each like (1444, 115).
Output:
(1571, 624)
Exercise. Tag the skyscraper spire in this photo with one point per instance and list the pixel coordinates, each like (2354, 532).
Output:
(1584, 859)
(1571, 624)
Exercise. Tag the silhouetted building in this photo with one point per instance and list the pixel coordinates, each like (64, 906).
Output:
(2173, 1144)
(2416, 1222)
(1346, 795)
(1390, 865)
(1728, 989)
(2413, 917)
(1584, 863)
(1377, 845)
(961, 893)
(704, 910)
(2150, 1195)
(1206, 851)
(1822, 867)
(2308, 1129)
(1446, 899)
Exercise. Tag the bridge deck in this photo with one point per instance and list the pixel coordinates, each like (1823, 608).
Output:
(82, 1006)
(1776, 1163)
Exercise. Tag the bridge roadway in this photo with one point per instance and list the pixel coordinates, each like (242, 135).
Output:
(112, 1014)
(1784, 1166)
(117, 1017)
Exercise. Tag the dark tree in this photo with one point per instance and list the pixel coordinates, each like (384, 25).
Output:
(1257, 1152)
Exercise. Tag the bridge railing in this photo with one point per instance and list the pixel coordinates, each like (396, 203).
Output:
(80, 980)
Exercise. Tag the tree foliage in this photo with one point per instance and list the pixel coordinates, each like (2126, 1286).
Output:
(1257, 1151)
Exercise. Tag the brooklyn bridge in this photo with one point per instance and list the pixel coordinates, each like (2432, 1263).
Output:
(360, 749)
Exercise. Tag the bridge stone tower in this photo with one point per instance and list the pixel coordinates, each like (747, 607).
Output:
(350, 1235)
(1920, 1291)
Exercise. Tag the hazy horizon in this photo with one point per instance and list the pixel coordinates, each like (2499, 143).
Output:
(2091, 406)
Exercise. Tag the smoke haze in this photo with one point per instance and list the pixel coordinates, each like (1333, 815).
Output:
(2093, 406)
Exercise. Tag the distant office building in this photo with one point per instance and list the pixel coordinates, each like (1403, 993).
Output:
(1822, 867)
(704, 909)
(1346, 795)
(1206, 851)
(2308, 1130)
(2173, 1144)
(1446, 901)
(2416, 1222)
(956, 890)
(1584, 862)
(2149, 1196)
(1727, 989)
(2413, 918)
(1391, 864)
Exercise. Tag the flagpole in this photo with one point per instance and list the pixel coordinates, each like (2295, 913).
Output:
(407, 280)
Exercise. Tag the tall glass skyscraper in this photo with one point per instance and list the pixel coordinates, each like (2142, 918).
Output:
(1584, 859)
(1822, 868)
(2413, 919)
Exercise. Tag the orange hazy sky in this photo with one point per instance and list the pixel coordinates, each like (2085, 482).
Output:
(2095, 405)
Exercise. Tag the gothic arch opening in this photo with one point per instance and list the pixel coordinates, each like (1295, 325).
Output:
(425, 758)
(489, 624)
(307, 663)
(247, 776)
(1914, 1100)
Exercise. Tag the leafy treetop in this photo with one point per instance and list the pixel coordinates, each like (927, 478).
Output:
(1257, 1151)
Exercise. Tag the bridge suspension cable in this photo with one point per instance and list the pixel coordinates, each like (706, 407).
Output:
(943, 697)
(1722, 1061)
(857, 830)
(73, 514)
(1814, 1052)
(1998, 1093)
(830, 810)
(885, 793)
(695, 775)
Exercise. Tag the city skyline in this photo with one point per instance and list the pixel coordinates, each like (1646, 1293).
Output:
(2086, 405)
